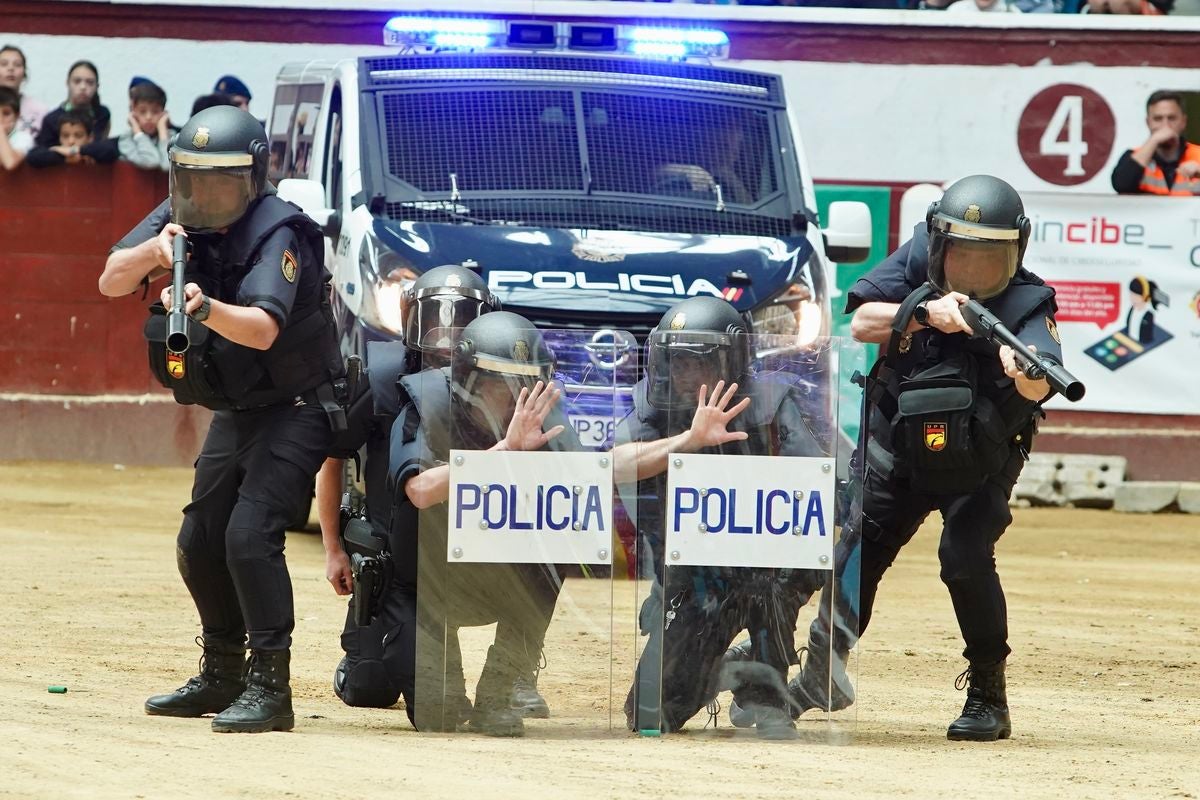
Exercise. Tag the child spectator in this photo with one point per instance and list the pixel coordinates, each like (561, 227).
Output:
(83, 98)
(12, 75)
(75, 143)
(14, 144)
(146, 142)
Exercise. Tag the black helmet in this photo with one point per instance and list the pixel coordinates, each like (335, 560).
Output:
(218, 168)
(704, 332)
(438, 304)
(501, 345)
(981, 220)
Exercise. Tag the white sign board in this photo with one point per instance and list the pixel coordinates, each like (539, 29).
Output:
(749, 511)
(1126, 272)
(530, 508)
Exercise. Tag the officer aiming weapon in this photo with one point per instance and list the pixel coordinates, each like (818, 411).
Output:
(370, 563)
(177, 335)
(987, 326)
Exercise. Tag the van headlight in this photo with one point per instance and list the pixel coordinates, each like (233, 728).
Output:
(385, 276)
(792, 320)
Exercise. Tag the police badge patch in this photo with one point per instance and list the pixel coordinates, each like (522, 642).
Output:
(973, 214)
(175, 365)
(678, 321)
(200, 139)
(935, 436)
(288, 265)
(520, 350)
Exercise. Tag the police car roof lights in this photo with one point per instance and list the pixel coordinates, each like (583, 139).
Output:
(456, 33)
(442, 32)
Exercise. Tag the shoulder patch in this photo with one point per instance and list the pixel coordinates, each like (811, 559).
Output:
(1053, 328)
(288, 265)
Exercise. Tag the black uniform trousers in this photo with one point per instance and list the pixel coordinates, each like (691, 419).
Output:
(254, 476)
(701, 611)
(887, 515)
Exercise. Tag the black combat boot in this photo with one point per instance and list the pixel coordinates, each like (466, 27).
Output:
(493, 714)
(266, 705)
(985, 714)
(219, 683)
(821, 685)
(739, 716)
(526, 698)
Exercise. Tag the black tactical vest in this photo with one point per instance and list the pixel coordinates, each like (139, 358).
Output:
(943, 414)
(219, 374)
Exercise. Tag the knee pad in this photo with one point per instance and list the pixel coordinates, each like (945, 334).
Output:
(364, 683)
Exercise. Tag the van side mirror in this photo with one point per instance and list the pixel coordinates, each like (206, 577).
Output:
(310, 196)
(848, 234)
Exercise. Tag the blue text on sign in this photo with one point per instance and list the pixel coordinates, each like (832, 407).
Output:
(766, 511)
(556, 507)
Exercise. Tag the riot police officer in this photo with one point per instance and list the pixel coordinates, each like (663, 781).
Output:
(435, 308)
(497, 395)
(950, 423)
(263, 355)
(698, 395)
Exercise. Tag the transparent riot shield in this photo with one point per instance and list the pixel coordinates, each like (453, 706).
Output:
(516, 545)
(748, 607)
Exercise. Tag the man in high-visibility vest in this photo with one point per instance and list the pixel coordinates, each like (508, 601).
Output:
(1166, 163)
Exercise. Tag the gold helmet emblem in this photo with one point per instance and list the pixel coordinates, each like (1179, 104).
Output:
(520, 350)
(678, 321)
(973, 213)
(200, 140)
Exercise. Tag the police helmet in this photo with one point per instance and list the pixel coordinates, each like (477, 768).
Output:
(699, 340)
(218, 168)
(977, 236)
(501, 346)
(438, 304)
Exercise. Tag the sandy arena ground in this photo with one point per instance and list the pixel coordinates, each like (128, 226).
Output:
(1104, 680)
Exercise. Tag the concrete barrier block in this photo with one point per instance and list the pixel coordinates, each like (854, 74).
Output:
(1145, 497)
(1037, 492)
(1189, 498)
(1089, 495)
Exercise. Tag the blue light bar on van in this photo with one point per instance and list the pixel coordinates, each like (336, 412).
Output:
(443, 32)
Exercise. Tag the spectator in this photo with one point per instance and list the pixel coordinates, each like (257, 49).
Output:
(237, 91)
(83, 97)
(12, 75)
(14, 144)
(209, 100)
(993, 6)
(74, 144)
(1165, 163)
(1148, 7)
(146, 142)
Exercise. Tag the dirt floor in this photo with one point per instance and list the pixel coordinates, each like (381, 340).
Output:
(1104, 679)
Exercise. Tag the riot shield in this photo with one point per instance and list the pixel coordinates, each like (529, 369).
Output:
(749, 603)
(514, 591)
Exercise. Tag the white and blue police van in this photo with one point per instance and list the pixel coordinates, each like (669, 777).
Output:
(594, 174)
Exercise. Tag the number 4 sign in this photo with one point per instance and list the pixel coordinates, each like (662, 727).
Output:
(1066, 134)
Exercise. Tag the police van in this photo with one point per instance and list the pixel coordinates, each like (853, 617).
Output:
(594, 174)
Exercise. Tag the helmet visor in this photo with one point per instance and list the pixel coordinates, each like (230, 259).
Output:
(210, 198)
(976, 268)
(680, 363)
(433, 323)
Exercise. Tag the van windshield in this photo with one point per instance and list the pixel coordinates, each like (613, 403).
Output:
(582, 157)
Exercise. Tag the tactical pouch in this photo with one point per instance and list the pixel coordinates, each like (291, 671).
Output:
(947, 438)
(194, 376)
